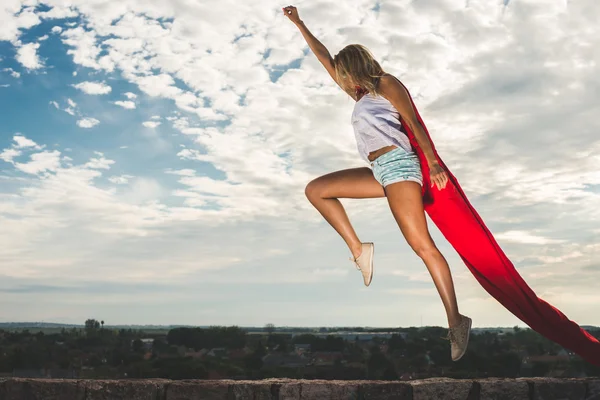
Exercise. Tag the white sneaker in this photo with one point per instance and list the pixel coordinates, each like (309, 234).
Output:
(364, 262)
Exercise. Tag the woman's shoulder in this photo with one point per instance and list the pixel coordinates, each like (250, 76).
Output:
(387, 77)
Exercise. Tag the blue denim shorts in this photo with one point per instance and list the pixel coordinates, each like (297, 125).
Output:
(397, 165)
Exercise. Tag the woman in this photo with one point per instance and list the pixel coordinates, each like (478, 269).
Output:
(395, 171)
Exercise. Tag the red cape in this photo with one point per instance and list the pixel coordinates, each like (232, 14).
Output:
(464, 229)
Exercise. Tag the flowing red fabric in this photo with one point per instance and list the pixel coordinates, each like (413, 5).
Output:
(464, 229)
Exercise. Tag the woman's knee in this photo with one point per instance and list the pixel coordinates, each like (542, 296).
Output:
(313, 189)
(424, 248)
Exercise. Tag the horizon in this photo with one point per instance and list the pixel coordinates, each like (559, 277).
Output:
(153, 159)
(276, 328)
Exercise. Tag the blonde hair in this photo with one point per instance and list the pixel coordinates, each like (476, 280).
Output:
(355, 61)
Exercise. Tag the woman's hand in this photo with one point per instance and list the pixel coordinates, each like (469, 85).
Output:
(292, 13)
(438, 175)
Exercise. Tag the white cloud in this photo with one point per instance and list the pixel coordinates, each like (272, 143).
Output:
(56, 29)
(267, 131)
(130, 95)
(28, 57)
(71, 109)
(42, 38)
(9, 154)
(41, 162)
(99, 162)
(126, 104)
(88, 122)
(12, 72)
(85, 50)
(182, 172)
(14, 18)
(120, 180)
(151, 124)
(95, 88)
(525, 237)
(23, 142)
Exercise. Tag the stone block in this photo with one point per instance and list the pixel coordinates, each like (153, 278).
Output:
(252, 390)
(198, 390)
(558, 389)
(126, 389)
(385, 390)
(503, 389)
(593, 389)
(313, 389)
(41, 389)
(441, 388)
(289, 390)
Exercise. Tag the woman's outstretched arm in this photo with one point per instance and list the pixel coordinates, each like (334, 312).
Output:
(315, 45)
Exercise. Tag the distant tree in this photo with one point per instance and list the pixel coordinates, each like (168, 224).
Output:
(253, 361)
(389, 373)
(137, 346)
(102, 322)
(91, 327)
(539, 369)
(269, 328)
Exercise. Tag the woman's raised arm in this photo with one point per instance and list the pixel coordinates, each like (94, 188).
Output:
(315, 45)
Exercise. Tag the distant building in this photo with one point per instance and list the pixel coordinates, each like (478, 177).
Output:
(219, 352)
(196, 354)
(545, 359)
(148, 343)
(301, 349)
(362, 336)
(323, 358)
(497, 331)
(28, 373)
(237, 354)
(284, 360)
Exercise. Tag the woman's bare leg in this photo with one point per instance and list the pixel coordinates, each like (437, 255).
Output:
(406, 203)
(354, 183)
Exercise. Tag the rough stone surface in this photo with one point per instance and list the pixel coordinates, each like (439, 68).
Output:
(385, 390)
(196, 390)
(441, 388)
(503, 389)
(122, 390)
(593, 390)
(558, 389)
(290, 389)
(331, 390)
(46, 389)
(260, 390)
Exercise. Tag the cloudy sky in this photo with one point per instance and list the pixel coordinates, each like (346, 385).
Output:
(154, 154)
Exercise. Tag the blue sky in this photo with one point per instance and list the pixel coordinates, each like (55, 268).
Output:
(153, 159)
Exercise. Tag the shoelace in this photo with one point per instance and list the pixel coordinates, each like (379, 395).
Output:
(451, 331)
(451, 337)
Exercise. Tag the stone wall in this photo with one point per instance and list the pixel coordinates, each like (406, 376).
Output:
(289, 389)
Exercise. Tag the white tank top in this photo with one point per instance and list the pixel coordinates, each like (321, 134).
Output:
(376, 124)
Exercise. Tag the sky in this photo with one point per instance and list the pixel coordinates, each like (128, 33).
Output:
(154, 155)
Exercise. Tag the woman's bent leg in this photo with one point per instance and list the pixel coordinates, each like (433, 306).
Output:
(354, 183)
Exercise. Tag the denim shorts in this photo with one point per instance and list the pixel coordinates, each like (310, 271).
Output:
(397, 165)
